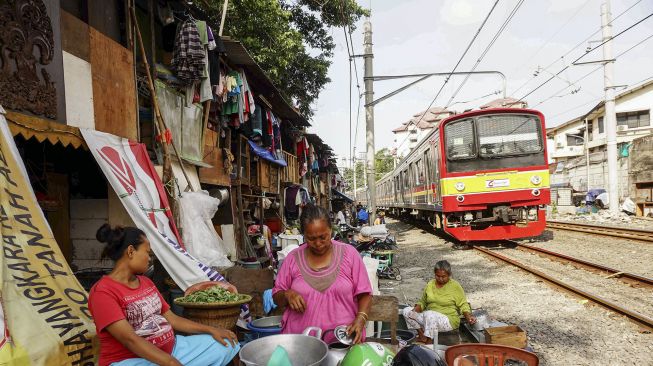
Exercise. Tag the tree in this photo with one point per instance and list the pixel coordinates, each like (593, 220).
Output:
(384, 164)
(290, 39)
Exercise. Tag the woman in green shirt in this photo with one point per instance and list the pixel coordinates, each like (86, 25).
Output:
(440, 307)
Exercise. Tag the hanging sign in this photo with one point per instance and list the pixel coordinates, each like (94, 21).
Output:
(44, 316)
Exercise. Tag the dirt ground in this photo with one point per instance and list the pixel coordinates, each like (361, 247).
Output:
(562, 329)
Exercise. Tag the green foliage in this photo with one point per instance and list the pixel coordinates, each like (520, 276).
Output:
(211, 295)
(384, 164)
(290, 40)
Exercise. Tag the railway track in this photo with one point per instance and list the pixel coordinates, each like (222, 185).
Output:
(635, 316)
(618, 232)
(627, 277)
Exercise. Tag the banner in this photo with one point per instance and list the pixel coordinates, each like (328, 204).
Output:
(44, 316)
(130, 172)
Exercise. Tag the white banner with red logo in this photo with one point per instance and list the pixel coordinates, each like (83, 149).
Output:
(130, 172)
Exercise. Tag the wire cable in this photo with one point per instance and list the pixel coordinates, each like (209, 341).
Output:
(486, 50)
(586, 53)
(574, 47)
(446, 80)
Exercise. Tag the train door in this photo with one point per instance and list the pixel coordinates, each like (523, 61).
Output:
(436, 169)
(419, 181)
(428, 162)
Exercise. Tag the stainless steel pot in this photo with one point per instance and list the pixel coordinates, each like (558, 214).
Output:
(302, 349)
(337, 352)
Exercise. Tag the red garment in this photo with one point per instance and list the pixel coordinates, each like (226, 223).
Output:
(110, 301)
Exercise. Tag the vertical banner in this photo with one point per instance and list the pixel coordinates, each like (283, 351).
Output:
(130, 172)
(44, 318)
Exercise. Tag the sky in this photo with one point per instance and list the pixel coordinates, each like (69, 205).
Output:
(423, 36)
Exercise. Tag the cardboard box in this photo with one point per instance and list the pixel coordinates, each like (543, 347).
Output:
(510, 335)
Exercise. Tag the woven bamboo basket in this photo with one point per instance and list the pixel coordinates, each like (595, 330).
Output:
(223, 315)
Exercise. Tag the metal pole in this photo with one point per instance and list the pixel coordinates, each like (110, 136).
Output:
(587, 155)
(610, 116)
(353, 159)
(369, 118)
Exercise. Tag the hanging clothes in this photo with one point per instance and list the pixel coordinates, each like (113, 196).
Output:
(291, 207)
(188, 60)
(302, 156)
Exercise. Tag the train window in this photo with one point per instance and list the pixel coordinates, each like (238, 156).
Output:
(508, 134)
(419, 172)
(427, 165)
(460, 139)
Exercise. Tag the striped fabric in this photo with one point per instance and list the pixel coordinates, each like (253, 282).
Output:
(188, 57)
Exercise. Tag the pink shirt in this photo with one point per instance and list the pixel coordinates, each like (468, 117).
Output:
(337, 305)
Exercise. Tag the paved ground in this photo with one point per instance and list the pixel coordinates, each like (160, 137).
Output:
(563, 329)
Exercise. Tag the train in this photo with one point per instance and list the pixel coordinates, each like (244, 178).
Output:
(478, 176)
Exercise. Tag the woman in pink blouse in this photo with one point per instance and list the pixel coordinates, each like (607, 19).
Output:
(323, 283)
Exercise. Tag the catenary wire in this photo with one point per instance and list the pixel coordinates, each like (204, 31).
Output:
(486, 50)
(574, 48)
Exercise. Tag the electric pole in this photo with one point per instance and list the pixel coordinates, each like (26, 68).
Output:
(369, 117)
(353, 161)
(610, 116)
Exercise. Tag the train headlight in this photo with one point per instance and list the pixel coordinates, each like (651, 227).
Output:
(460, 198)
(536, 179)
(460, 186)
(536, 192)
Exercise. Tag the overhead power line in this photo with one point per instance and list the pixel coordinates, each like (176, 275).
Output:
(593, 71)
(574, 48)
(586, 53)
(486, 50)
(446, 80)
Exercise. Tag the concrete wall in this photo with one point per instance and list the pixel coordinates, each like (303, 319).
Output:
(575, 174)
(86, 216)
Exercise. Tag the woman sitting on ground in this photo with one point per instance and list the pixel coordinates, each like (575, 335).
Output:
(440, 307)
(323, 283)
(134, 322)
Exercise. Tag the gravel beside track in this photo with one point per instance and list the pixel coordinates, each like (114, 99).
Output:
(624, 254)
(562, 329)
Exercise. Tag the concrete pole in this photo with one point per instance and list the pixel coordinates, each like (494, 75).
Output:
(353, 160)
(369, 117)
(610, 115)
(587, 155)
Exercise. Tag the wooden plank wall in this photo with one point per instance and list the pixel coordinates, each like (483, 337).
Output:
(214, 156)
(114, 90)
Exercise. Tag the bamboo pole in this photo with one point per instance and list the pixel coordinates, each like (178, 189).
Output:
(160, 125)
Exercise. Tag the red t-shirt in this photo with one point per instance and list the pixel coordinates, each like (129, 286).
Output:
(110, 301)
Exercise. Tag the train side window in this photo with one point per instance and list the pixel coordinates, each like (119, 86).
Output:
(427, 165)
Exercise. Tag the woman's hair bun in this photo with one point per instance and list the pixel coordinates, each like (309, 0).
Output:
(104, 233)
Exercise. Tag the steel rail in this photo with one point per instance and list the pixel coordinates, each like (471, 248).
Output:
(640, 319)
(636, 234)
(627, 277)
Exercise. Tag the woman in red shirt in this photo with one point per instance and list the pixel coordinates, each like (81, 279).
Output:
(134, 322)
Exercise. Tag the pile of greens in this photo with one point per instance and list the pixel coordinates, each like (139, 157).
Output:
(215, 294)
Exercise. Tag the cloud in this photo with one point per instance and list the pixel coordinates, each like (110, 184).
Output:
(559, 6)
(462, 12)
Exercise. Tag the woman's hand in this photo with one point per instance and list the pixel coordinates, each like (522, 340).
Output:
(220, 334)
(295, 301)
(356, 328)
(417, 308)
(471, 319)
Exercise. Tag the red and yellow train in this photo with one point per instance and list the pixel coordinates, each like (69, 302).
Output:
(481, 175)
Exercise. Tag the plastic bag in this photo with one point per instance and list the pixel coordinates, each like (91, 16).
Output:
(629, 206)
(201, 240)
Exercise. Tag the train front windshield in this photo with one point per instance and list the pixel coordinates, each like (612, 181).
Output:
(498, 141)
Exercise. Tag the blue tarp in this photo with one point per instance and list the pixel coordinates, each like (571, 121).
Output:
(266, 154)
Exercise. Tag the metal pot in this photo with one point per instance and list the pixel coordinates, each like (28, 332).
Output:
(482, 320)
(337, 352)
(302, 349)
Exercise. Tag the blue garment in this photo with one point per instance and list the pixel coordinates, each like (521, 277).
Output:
(268, 301)
(362, 215)
(195, 350)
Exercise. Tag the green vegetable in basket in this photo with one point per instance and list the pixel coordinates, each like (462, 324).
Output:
(215, 294)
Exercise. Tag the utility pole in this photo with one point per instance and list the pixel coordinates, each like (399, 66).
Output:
(610, 116)
(368, 56)
(587, 155)
(353, 161)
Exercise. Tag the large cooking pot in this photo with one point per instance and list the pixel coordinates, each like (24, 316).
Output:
(302, 349)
